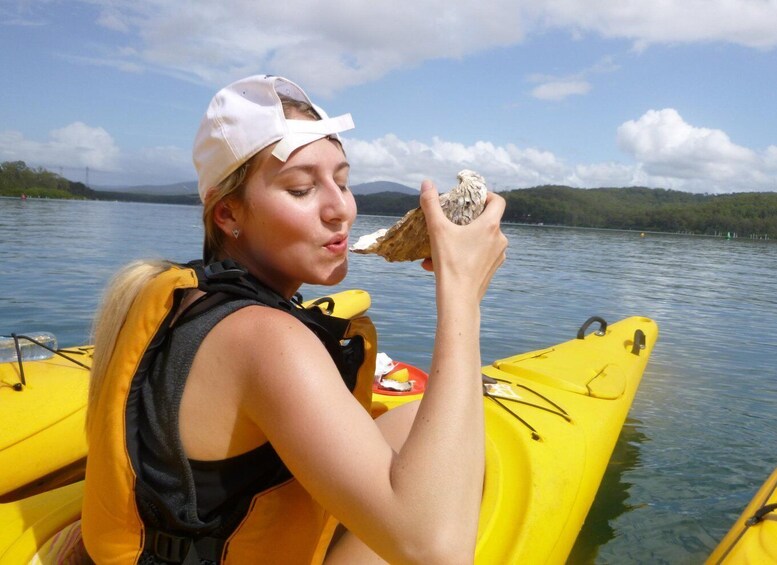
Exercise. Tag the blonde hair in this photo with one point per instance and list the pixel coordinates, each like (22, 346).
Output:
(127, 284)
(119, 295)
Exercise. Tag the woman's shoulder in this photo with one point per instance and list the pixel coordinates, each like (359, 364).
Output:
(252, 320)
(270, 352)
(256, 331)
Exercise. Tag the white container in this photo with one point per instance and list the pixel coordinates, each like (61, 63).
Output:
(30, 351)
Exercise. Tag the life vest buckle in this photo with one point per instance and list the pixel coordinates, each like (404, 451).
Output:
(226, 270)
(169, 548)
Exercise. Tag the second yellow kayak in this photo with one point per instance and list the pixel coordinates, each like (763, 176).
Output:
(753, 537)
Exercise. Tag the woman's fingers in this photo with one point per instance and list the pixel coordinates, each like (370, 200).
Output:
(433, 214)
(495, 205)
(476, 248)
(430, 204)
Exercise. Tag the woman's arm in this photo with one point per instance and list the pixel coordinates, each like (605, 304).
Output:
(420, 504)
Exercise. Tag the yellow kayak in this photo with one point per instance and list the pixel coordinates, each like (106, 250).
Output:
(753, 537)
(44, 411)
(552, 419)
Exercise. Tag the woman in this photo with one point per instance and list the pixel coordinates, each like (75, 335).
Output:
(241, 434)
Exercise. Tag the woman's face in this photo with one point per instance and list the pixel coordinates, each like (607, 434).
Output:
(295, 219)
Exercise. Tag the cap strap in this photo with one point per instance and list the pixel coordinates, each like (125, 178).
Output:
(302, 132)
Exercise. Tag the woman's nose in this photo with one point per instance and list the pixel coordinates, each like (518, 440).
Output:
(338, 203)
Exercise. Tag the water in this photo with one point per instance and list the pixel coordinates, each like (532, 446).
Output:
(701, 436)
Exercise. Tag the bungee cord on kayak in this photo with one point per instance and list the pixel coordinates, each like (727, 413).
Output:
(559, 411)
(20, 357)
(534, 434)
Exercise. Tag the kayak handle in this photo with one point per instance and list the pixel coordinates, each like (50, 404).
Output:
(639, 342)
(602, 326)
(760, 514)
(330, 304)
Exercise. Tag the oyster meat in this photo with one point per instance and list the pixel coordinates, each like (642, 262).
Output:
(408, 240)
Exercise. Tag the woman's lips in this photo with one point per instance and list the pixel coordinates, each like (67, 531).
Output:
(338, 245)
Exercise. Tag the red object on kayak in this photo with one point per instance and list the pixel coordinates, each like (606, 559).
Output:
(417, 376)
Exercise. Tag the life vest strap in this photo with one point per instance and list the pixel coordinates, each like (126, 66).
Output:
(226, 270)
(183, 550)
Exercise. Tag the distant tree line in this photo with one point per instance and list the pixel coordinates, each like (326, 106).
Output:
(752, 214)
(649, 209)
(386, 203)
(17, 179)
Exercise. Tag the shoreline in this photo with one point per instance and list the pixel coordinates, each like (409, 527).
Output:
(506, 223)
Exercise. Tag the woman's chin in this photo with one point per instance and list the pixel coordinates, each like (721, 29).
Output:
(336, 276)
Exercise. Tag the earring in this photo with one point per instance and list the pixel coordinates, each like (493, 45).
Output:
(236, 232)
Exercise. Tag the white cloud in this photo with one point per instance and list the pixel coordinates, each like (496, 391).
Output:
(667, 152)
(124, 65)
(504, 167)
(752, 23)
(410, 162)
(555, 88)
(770, 158)
(558, 90)
(669, 148)
(76, 147)
(330, 46)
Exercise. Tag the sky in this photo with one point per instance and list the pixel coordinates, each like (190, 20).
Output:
(677, 94)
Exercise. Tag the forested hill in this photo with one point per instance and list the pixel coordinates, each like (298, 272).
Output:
(17, 179)
(751, 214)
(650, 209)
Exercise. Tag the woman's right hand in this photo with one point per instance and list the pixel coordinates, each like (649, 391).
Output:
(464, 258)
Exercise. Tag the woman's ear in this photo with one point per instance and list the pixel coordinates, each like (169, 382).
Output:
(225, 215)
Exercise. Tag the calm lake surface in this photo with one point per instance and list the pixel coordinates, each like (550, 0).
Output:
(701, 435)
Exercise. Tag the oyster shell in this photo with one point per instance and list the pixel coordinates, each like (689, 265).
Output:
(408, 240)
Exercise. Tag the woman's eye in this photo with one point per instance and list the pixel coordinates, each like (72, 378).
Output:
(343, 183)
(299, 193)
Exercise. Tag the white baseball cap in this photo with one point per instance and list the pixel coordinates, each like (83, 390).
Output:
(247, 116)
